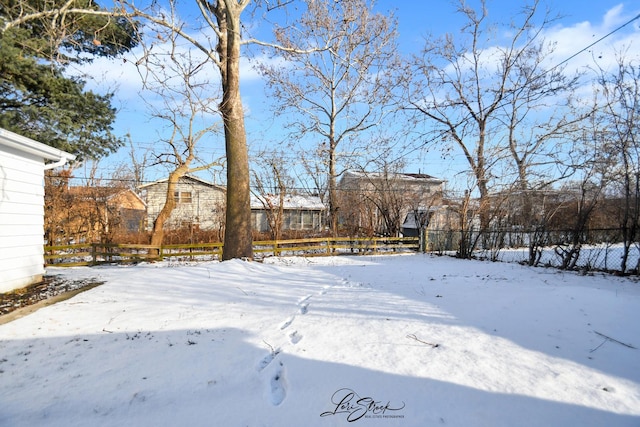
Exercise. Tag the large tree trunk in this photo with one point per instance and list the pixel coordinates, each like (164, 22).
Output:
(238, 239)
(333, 185)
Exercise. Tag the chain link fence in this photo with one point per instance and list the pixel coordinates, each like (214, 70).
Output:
(590, 250)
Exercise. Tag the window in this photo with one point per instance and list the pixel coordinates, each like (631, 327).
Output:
(259, 220)
(307, 220)
(300, 220)
(182, 196)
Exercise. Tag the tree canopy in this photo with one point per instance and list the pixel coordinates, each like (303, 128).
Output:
(37, 99)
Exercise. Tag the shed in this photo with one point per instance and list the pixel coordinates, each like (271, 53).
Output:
(22, 165)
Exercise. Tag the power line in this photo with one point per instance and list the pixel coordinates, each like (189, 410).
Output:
(594, 43)
(444, 132)
(421, 145)
(291, 189)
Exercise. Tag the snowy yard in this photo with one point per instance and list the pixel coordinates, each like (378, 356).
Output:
(409, 340)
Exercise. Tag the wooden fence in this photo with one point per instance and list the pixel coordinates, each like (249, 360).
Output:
(102, 253)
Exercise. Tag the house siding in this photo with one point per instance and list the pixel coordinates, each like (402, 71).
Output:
(21, 219)
(300, 213)
(203, 210)
(411, 192)
(293, 220)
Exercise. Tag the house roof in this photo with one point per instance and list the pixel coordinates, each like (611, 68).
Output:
(192, 178)
(290, 202)
(105, 193)
(28, 145)
(416, 177)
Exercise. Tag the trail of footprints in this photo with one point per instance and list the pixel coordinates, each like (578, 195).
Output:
(278, 382)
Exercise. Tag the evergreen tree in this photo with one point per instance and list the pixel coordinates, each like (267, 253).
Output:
(38, 100)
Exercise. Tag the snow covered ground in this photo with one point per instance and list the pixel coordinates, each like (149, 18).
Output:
(408, 340)
(603, 257)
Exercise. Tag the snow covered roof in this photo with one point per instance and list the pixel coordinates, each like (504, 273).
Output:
(290, 202)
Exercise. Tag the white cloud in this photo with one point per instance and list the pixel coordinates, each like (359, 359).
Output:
(571, 45)
(572, 39)
(614, 17)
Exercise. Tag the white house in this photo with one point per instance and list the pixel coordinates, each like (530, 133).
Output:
(22, 165)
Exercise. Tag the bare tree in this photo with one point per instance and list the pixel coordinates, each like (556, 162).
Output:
(88, 212)
(313, 178)
(58, 207)
(272, 184)
(132, 174)
(389, 198)
(620, 116)
(339, 93)
(220, 22)
(217, 32)
(185, 107)
(592, 162)
(493, 102)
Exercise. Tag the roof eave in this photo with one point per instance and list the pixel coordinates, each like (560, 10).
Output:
(28, 145)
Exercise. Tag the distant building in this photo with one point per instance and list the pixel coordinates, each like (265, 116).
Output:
(387, 203)
(199, 203)
(22, 165)
(105, 210)
(299, 213)
(130, 210)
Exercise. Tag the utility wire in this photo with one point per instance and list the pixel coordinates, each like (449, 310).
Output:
(444, 132)
(254, 187)
(594, 43)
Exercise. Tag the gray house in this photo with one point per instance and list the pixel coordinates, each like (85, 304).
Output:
(199, 203)
(300, 213)
(389, 203)
(22, 165)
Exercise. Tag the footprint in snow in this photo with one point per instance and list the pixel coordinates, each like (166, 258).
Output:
(305, 299)
(268, 359)
(295, 337)
(304, 305)
(278, 386)
(286, 323)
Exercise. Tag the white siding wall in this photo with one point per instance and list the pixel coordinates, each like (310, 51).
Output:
(21, 219)
(204, 208)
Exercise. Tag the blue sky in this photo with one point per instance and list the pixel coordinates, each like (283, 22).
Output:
(582, 23)
(436, 16)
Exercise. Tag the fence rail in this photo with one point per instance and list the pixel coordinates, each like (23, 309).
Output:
(597, 250)
(101, 253)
